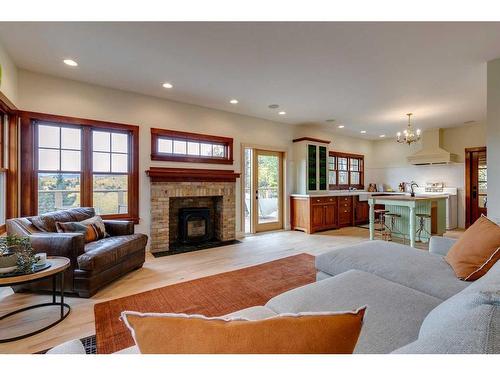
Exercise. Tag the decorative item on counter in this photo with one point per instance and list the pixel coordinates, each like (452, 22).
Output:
(17, 255)
(372, 188)
(402, 187)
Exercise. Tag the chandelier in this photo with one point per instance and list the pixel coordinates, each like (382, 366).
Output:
(409, 135)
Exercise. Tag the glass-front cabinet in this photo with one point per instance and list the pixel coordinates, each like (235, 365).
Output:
(311, 160)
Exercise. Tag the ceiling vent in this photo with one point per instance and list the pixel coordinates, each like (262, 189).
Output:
(431, 152)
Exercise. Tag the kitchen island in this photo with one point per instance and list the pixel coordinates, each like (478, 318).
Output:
(408, 207)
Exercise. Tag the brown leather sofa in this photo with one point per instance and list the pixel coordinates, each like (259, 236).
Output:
(93, 265)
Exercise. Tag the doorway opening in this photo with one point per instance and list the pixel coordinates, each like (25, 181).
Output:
(263, 190)
(476, 184)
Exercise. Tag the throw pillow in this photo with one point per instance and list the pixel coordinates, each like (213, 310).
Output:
(93, 229)
(305, 333)
(476, 251)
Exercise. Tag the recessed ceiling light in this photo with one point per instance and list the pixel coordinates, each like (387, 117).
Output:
(168, 85)
(363, 131)
(273, 106)
(382, 135)
(70, 62)
(233, 101)
(341, 126)
(282, 113)
(330, 120)
(469, 122)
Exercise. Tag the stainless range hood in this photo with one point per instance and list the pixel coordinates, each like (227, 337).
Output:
(431, 151)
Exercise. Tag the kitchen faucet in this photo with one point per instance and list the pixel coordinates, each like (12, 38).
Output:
(412, 185)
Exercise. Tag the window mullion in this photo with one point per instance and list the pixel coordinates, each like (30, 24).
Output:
(86, 173)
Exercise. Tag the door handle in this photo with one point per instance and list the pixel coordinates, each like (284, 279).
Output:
(474, 192)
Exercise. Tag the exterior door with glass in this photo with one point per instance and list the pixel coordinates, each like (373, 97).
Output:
(267, 189)
(476, 184)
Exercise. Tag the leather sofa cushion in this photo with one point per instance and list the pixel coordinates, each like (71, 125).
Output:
(109, 251)
(47, 222)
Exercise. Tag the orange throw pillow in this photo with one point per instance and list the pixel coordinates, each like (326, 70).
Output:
(476, 251)
(306, 333)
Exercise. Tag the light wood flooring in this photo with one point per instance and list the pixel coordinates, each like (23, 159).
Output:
(158, 272)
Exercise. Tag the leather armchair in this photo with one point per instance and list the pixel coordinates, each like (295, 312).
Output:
(93, 265)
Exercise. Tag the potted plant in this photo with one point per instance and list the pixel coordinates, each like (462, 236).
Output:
(16, 253)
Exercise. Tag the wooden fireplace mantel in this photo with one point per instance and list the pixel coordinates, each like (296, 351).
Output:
(159, 174)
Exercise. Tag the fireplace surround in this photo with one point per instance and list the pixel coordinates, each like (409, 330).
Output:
(197, 188)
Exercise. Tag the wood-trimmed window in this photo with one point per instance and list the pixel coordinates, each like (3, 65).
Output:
(70, 162)
(170, 145)
(345, 170)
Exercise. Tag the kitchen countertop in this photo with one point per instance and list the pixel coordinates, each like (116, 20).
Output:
(410, 198)
(341, 193)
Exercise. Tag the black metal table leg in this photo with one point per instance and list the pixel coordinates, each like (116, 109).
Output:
(62, 293)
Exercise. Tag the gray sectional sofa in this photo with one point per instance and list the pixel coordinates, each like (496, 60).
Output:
(415, 303)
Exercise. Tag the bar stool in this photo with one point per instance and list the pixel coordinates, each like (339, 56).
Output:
(421, 225)
(381, 219)
(390, 229)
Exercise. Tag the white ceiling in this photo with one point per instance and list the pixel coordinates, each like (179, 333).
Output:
(367, 76)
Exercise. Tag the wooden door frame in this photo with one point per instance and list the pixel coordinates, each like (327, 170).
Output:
(468, 152)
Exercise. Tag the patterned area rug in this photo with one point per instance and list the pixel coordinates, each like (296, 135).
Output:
(211, 296)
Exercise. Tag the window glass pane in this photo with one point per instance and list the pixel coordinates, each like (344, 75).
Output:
(101, 162)
(71, 138)
(119, 163)
(331, 163)
(193, 148)
(119, 142)
(332, 178)
(110, 194)
(180, 147)
(218, 151)
(354, 164)
(48, 159)
(343, 178)
(57, 191)
(483, 188)
(355, 178)
(165, 145)
(70, 160)
(342, 164)
(206, 149)
(101, 141)
(48, 136)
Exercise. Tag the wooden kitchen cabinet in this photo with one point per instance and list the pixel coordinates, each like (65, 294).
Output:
(313, 214)
(361, 211)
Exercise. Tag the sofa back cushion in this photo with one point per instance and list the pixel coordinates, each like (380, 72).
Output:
(476, 251)
(47, 222)
(468, 322)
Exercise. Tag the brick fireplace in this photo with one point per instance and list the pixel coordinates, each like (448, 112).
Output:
(174, 189)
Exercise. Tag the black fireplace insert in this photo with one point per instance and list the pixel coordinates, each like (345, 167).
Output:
(194, 225)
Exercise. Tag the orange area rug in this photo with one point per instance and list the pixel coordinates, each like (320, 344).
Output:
(211, 296)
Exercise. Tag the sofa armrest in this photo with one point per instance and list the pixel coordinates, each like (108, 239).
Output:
(440, 245)
(69, 245)
(119, 227)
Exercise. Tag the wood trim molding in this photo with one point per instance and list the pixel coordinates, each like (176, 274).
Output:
(311, 140)
(174, 134)
(158, 174)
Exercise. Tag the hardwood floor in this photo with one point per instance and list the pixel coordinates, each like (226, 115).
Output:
(158, 272)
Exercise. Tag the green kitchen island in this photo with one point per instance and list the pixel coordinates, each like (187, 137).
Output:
(408, 207)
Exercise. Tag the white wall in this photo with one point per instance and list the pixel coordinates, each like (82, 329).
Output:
(493, 130)
(8, 85)
(390, 166)
(42, 93)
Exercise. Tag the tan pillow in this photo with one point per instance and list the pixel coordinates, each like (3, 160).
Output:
(93, 229)
(476, 251)
(306, 333)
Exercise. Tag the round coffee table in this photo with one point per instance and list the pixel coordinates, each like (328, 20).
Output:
(56, 270)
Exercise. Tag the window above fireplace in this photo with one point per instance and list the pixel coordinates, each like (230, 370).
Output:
(171, 145)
